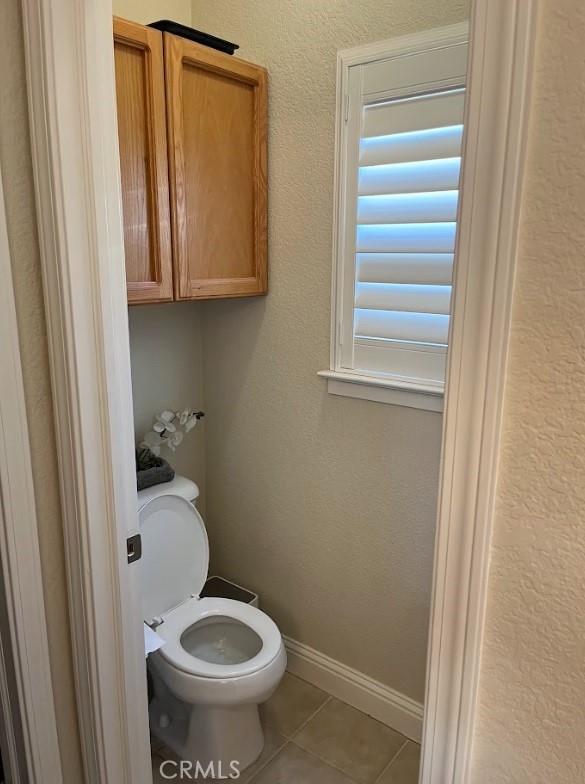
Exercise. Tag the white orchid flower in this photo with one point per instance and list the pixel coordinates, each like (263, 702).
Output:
(166, 433)
(183, 416)
(176, 438)
(153, 442)
(164, 421)
(190, 423)
(173, 440)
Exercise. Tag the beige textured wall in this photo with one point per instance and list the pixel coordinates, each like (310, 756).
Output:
(146, 11)
(15, 157)
(325, 505)
(165, 352)
(531, 726)
(277, 438)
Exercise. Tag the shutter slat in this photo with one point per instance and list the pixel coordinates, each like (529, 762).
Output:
(401, 359)
(413, 114)
(402, 208)
(415, 146)
(407, 238)
(416, 70)
(403, 297)
(393, 325)
(408, 180)
(418, 177)
(426, 268)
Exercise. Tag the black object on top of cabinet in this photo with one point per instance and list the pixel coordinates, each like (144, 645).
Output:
(166, 26)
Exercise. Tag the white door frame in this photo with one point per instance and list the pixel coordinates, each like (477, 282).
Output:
(73, 126)
(26, 692)
(498, 90)
(70, 76)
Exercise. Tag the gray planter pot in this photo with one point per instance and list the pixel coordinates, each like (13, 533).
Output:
(154, 476)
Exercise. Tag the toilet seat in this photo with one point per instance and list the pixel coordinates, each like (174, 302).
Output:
(178, 620)
(175, 554)
(173, 570)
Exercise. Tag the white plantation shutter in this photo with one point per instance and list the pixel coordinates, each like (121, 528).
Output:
(409, 161)
(402, 159)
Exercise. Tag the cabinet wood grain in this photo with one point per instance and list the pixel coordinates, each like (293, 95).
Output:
(140, 93)
(217, 117)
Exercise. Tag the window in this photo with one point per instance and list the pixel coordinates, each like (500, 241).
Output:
(399, 137)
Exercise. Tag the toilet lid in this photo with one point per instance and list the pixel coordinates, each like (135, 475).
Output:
(175, 554)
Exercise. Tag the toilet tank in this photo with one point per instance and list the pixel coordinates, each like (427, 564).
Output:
(180, 486)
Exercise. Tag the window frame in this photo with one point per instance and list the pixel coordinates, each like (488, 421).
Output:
(341, 379)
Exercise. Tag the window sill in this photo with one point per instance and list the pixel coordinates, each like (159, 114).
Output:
(381, 390)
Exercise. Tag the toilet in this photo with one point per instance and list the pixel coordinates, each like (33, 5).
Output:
(221, 657)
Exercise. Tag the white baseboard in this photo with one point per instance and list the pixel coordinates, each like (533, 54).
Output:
(372, 697)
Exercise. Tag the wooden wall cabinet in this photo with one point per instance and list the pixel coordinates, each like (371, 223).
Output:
(142, 133)
(192, 131)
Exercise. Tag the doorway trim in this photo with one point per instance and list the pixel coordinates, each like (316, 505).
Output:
(28, 721)
(496, 117)
(73, 125)
(70, 80)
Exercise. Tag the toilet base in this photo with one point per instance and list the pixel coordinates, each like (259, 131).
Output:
(218, 741)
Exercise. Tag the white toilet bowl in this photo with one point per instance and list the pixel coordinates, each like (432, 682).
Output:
(221, 658)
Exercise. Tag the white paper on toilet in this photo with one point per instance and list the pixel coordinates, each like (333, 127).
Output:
(152, 642)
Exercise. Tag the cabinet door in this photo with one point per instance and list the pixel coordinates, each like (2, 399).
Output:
(216, 110)
(142, 133)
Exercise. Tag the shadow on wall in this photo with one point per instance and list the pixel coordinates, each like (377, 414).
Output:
(165, 349)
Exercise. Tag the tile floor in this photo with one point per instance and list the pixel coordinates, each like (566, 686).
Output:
(313, 738)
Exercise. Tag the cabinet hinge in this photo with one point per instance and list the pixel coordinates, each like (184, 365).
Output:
(346, 107)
